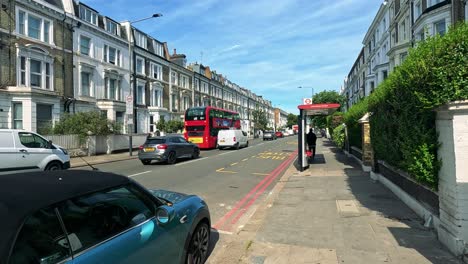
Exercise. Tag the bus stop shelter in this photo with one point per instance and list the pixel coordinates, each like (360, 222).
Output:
(306, 111)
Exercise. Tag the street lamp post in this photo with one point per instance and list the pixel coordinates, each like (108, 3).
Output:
(131, 69)
(303, 87)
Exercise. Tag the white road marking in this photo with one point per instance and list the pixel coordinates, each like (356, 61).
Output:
(190, 161)
(229, 152)
(223, 232)
(140, 173)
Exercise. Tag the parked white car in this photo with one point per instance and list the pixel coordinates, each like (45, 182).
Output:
(22, 150)
(233, 138)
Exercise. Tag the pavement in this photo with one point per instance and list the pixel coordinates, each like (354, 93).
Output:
(78, 162)
(332, 213)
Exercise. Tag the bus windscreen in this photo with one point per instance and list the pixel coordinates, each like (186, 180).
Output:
(195, 114)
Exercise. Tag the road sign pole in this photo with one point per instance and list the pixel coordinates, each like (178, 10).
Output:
(129, 111)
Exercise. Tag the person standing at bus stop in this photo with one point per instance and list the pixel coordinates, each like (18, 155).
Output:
(311, 141)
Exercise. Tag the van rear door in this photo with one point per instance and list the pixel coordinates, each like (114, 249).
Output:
(9, 155)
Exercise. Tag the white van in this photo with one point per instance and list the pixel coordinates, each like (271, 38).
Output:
(22, 150)
(233, 138)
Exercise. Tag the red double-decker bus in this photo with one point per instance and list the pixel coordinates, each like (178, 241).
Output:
(203, 123)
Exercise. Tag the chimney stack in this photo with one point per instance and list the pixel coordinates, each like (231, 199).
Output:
(175, 51)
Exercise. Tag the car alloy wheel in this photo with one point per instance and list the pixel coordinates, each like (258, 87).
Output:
(171, 157)
(199, 244)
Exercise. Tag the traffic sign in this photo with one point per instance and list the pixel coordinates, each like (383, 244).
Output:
(307, 101)
(129, 104)
(130, 119)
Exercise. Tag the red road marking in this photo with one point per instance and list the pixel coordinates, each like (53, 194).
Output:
(221, 221)
(262, 190)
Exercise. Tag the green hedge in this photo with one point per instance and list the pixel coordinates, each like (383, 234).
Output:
(403, 117)
(351, 119)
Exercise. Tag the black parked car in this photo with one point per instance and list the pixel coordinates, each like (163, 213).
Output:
(168, 149)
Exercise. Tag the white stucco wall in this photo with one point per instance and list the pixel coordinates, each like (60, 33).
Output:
(452, 126)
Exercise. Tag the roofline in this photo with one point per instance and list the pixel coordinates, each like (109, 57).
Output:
(374, 22)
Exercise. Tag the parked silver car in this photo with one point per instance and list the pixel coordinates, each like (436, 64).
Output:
(168, 149)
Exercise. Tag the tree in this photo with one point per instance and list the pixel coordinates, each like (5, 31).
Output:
(161, 125)
(83, 122)
(260, 119)
(326, 97)
(292, 120)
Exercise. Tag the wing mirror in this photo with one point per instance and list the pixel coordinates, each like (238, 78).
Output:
(164, 214)
(49, 144)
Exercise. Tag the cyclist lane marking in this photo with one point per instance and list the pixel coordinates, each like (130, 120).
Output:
(140, 173)
(225, 171)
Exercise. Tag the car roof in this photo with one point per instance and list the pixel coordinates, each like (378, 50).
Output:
(22, 194)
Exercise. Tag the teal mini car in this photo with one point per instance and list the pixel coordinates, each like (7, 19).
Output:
(97, 217)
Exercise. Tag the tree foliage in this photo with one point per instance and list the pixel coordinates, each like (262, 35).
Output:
(173, 126)
(86, 123)
(161, 125)
(403, 118)
(260, 119)
(324, 97)
(291, 120)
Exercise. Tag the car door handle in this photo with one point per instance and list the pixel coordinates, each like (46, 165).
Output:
(23, 150)
(183, 219)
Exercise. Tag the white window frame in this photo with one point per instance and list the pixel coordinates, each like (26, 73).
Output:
(433, 2)
(435, 31)
(174, 78)
(156, 68)
(106, 55)
(90, 48)
(141, 99)
(24, 75)
(158, 48)
(184, 81)
(196, 84)
(108, 23)
(140, 39)
(157, 101)
(417, 9)
(88, 15)
(117, 88)
(42, 26)
(138, 58)
(15, 118)
(91, 82)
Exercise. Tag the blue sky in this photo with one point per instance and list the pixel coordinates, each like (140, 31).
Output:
(268, 46)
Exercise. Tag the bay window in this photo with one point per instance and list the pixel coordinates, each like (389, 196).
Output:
(35, 69)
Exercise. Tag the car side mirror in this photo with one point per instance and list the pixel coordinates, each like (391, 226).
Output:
(164, 214)
(49, 144)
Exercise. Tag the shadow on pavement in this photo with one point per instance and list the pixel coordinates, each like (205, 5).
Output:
(214, 238)
(399, 220)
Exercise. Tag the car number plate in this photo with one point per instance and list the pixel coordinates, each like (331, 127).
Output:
(148, 149)
(196, 140)
(222, 140)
